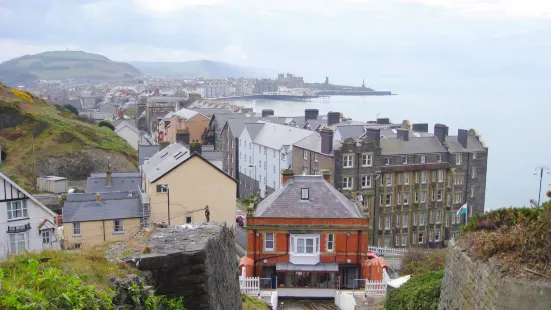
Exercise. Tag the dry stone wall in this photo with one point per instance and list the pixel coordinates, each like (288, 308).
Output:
(477, 285)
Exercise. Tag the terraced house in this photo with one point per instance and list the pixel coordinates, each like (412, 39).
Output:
(412, 181)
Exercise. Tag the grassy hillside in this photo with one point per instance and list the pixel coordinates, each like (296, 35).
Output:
(63, 65)
(194, 69)
(63, 145)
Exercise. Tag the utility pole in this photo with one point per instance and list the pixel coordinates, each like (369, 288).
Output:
(541, 168)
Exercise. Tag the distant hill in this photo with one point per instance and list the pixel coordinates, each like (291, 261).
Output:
(195, 69)
(63, 145)
(64, 65)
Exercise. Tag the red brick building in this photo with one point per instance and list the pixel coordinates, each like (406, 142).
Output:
(309, 236)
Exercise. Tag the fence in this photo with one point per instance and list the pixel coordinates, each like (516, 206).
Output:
(394, 252)
(249, 286)
(375, 288)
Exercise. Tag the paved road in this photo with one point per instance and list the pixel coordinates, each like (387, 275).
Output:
(240, 240)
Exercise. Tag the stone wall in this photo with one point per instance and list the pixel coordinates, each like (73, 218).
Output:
(476, 285)
(195, 261)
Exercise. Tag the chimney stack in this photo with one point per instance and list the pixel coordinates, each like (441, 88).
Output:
(403, 134)
(424, 127)
(267, 112)
(326, 175)
(286, 175)
(462, 137)
(373, 135)
(182, 136)
(333, 118)
(311, 114)
(98, 197)
(196, 147)
(326, 140)
(109, 176)
(440, 132)
(383, 121)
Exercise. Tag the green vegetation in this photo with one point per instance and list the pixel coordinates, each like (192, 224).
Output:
(31, 130)
(422, 291)
(252, 303)
(107, 124)
(70, 280)
(71, 108)
(519, 238)
(63, 65)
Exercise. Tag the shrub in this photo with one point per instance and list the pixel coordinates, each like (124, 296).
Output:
(71, 108)
(419, 263)
(420, 292)
(107, 124)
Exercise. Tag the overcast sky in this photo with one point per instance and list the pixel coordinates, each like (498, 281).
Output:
(315, 38)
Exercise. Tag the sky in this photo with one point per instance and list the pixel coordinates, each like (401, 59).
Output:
(345, 39)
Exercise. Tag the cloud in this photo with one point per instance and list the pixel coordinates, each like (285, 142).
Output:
(171, 6)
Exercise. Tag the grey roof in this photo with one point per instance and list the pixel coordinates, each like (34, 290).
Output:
(393, 133)
(220, 118)
(275, 136)
(120, 182)
(351, 131)
(83, 211)
(212, 156)
(146, 151)
(119, 120)
(209, 112)
(236, 124)
(473, 145)
(414, 145)
(104, 196)
(165, 160)
(313, 143)
(254, 129)
(324, 201)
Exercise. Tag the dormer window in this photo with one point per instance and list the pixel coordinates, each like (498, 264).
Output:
(304, 194)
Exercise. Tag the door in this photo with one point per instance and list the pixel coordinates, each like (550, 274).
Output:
(348, 275)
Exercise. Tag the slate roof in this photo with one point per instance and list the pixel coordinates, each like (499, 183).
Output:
(222, 117)
(236, 124)
(275, 136)
(120, 182)
(84, 211)
(313, 143)
(473, 145)
(324, 201)
(104, 196)
(165, 160)
(351, 131)
(414, 145)
(209, 112)
(253, 129)
(146, 151)
(393, 133)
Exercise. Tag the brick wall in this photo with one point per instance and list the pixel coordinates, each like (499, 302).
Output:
(309, 165)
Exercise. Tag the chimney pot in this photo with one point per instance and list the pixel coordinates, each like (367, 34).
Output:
(440, 132)
(383, 121)
(373, 135)
(333, 118)
(326, 140)
(462, 137)
(109, 176)
(98, 197)
(267, 112)
(424, 127)
(286, 175)
(326, 175)
(311, 114)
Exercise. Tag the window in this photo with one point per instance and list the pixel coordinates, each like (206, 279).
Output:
(162, 188)
(423, 196)
(416, 197)
(421, 238)
(330, 242)
(76, 229)
(458, 179)
(439, 195)
(305, 154)
(433, 198)
(416, 177)
(474, 155)
(17, 210)
(453, 218)
(424, 177)
(457, 218)
(406, 178)
(404, 239)
(422, 218)
(406, 198)
(274, 169)
(232, 144)
(399, 199)
(45, 236)
(437, 235)
(348, 161)
(457, 198)
(440, 176)
(458, 159)
(438, 214)
(347, 183)
(431, 233)
(405, 220)
(188, 219)
(18, 243)
(282, 156)
(388, 199)
(118, 226)
(304, 244)
(399, 181)
(446, 219)
(439, 158)
(316, 157)
(387, 222)
(268, 241)
(387, 241)
(474, 173)
(423, 159)
(472, 191)
(404, 160)
(304, 194)
(433, 179)
(414, 219)
(387, 161)
(397, 240)
(259, 149)
(367, 160)
(366, 181)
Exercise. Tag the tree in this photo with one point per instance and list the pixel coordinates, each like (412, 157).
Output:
(106, 123)
(71, 108)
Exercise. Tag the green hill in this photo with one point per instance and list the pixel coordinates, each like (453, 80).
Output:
(61, 65)
(195, 69)
(39, 139)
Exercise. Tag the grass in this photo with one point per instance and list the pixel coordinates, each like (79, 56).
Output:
(53, 130)
(253, 303)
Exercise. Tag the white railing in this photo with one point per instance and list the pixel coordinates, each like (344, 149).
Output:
(394, 251)
(249, 286)
(375, 288)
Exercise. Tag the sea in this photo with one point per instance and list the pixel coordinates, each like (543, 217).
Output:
(511, 115)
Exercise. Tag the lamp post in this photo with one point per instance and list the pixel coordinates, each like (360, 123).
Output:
(541, 168)
(254, 187)
(168, 201)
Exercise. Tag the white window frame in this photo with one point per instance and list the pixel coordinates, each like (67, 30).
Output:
(266, 240)
(404, 160)
(347, 182)
(296, 240)
(421, 237)
(76, 229)
(405, 218)
(348, 161)
(423, 159)
(439, 158)
(18, 206)
(405, 200)
(472, 191)
(457, 198)
(437, 235)
(387, 222)
(414, 218)
(439, 195)
(474, 155)
(416, 197)
(387, 161)
(304, 194)
(366, 181)
(46, 236)
(473, 174)
(315, 157)
(388, 200)
(440, 176)
(118, 226)
(438, 216)
(330, 243)
(406, 178)
(305, 154)
(387, 241)
(388, 179)
(367, 160)
(424, 177)
(15, 241)
(422, 218)
(423, 197)
(404, 239)
(458, 158)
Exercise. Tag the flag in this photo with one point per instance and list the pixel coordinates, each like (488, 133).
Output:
(462, 210)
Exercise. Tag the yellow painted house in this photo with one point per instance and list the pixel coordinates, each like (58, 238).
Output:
(90, 219)
(181, 187)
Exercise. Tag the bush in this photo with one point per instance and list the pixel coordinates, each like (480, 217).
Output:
(419, 263)
(107, 124)
(419, 293)
(71, 108)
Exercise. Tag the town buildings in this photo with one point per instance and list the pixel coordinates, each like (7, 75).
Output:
(26, 224)
(193, 122)
(310, 236)
(412, 181)
(129, 133)
(157, 107)
(265, 85)
(109, 181)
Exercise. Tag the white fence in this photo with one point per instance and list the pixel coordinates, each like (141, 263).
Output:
(394, 252)
(249, 286)
(375, 287)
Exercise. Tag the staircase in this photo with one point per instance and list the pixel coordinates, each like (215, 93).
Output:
(146, 210)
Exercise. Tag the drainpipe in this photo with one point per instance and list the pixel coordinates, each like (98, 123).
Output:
(103, 230)
(374, 231)
(255, 250)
